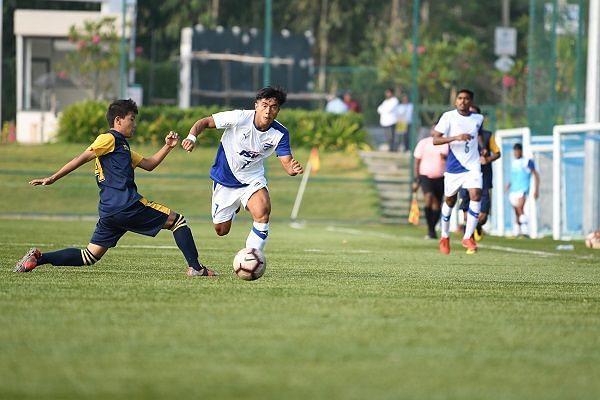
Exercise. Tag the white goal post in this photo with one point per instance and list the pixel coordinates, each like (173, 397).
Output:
(499, 212)
(590, 155)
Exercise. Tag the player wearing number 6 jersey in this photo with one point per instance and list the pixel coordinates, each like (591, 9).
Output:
(460, 129)
(238, 174)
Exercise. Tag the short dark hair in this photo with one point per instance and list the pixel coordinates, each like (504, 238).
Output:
(120, 108)
(467, 91)
(518, 146)
(270, 92)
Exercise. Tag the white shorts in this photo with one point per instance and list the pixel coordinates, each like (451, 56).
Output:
(465, 180)
(226, 200)
(515, 198)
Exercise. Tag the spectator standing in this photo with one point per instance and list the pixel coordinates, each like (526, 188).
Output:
(388, 117)
(405, 111)
(336, 105)
(352, 104)
(429, 167)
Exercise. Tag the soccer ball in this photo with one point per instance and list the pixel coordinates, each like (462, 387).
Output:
(249, 264)
(592, 240)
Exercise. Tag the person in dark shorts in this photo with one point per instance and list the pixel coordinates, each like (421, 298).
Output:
(121, 207)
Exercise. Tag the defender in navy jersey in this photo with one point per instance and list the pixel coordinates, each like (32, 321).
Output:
(121, 207)
(238, 174)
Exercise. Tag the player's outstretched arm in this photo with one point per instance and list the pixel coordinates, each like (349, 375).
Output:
(152, 162)
(291, 165)
(69, 167)
(195, 131)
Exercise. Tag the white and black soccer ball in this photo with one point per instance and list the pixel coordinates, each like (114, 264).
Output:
(592, 240)
(249, 264)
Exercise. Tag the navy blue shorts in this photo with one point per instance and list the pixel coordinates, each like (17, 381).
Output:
(143, 217)
(486, 202)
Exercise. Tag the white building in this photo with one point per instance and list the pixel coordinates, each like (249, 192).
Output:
(41, 45)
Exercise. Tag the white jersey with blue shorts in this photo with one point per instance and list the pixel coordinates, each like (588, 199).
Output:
(238, 170)
(463, 167)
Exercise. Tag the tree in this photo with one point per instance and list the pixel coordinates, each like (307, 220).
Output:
(93, 64)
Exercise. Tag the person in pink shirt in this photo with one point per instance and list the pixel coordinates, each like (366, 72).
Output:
(429, 167)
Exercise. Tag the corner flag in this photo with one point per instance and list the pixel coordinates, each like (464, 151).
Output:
(414, 214)
(313, 166)
(314, 160)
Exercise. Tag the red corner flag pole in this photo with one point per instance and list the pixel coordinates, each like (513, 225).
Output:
(313, 164)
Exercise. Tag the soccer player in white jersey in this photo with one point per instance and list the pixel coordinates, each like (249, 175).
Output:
(460, 129)
(238, 172)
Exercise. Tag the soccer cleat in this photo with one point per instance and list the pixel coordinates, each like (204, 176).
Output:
(201, 272)
(445, 245)
(470, 245)
(29, 260)
(478, 234)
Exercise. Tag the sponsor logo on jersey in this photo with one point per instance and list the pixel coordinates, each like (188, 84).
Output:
(249, 153)
(267, 146)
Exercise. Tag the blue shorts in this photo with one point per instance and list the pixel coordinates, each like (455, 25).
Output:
(486, 202)
(143, 217)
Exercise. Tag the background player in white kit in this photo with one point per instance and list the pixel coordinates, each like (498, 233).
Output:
(238, 173)
(460, 129)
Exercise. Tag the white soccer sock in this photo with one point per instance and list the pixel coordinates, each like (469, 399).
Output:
(472, 218)
(445, 220)
(258, 236)
(516, 229)
(523, 221)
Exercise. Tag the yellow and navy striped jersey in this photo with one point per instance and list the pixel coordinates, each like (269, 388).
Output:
(489, 143)
(114, 170)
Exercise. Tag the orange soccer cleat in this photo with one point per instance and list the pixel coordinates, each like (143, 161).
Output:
(29, 260)
(445, 245)
(470, 245)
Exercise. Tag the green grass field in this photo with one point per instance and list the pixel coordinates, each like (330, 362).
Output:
(344, 311)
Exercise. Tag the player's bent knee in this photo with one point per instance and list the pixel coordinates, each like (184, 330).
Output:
(179, 222)
(89, 258)
(222, 229)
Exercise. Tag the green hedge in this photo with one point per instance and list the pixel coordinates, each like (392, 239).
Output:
(82, 122)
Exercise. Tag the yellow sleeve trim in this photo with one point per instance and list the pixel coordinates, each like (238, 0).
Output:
(136, 158)
(493, 145)
(104, 144)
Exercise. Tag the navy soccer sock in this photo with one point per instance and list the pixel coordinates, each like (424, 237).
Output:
(68, 257)
(185, 241)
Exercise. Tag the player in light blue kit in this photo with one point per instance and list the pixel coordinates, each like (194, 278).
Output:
(521, 171)
(460, 129)
(238, 172)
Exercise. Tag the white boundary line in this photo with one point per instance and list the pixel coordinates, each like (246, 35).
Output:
(411, 238)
